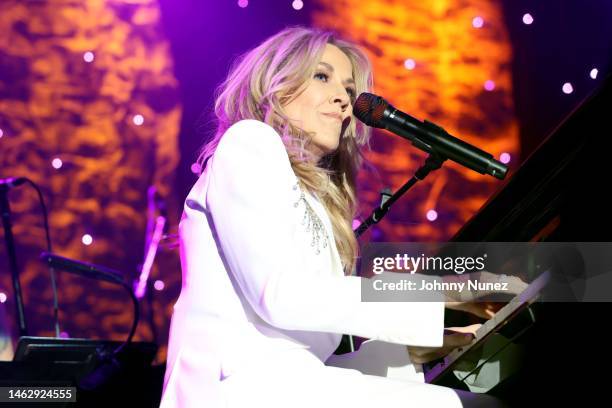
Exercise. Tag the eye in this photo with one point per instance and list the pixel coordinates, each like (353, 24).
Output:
(351, 92)
(322, 75)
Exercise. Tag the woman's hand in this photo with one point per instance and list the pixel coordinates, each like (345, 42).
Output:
(485, 309)
(454, 337)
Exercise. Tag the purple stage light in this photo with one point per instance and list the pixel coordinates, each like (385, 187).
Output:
(196, 168)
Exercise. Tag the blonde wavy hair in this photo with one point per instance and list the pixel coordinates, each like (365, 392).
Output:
(261, 82)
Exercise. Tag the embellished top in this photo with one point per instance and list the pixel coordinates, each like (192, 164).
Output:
(312, 222)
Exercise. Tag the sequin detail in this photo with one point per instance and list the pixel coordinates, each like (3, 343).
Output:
(312, 223)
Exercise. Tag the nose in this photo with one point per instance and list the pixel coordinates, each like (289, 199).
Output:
(342, 99)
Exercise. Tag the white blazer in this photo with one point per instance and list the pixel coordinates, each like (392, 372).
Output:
(260, 312)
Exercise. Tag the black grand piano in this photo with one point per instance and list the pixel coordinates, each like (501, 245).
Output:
(561, 356)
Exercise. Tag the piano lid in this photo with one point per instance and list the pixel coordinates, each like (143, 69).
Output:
(558, 193)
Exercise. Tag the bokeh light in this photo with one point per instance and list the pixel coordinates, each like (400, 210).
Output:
(87, 239)
(527, 18)
(138, 119)
(409, 64)
(57, 163)
(567, 88)
(505, 158)
(432, 215)
(477, 22)
(195, 168)
(88, 56)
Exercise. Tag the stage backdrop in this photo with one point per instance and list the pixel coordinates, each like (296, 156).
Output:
(447, 62)
(90, 110)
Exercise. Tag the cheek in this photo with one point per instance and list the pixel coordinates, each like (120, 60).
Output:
(300, 108)
(306, 108)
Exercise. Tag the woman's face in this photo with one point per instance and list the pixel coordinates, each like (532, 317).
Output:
(325, 106)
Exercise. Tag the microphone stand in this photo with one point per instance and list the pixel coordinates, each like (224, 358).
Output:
(5, 208)
(433, 162)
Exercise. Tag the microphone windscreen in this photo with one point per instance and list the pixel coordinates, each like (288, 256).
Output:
(369, 109)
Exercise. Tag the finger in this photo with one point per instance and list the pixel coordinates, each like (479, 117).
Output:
(472, 328)
(457, 340)
(435, 355)
(480, 310)
(421, 356)
(427, 357)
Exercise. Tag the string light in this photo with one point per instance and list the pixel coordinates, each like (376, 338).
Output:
(489, 85)
(297, 4)
(477, 22)
(505, 158)
(1, 133)
(409, 64)
(432, 215)
(88, 56)
(592, 74)
(243, 3)
(87, 239)
(138, 120)
(527, 18)
(57, 163)
(159, 285)
(567, 88)
(2, 297)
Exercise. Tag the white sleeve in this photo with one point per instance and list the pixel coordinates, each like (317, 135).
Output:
(251, 199)
(381, 359)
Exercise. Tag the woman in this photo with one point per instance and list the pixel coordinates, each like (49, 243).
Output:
(267, 247)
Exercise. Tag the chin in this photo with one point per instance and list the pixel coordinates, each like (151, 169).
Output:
(328, 145)
(334, 143)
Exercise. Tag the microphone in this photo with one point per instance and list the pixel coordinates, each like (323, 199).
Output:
(10, 182)
(375, 111)
(88, 270)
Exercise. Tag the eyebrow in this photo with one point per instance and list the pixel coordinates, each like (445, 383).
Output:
(328, 66)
